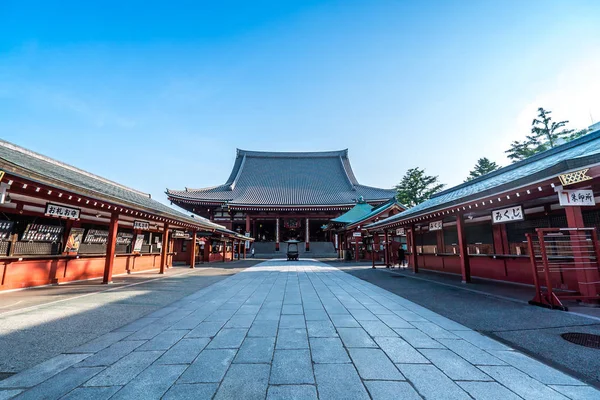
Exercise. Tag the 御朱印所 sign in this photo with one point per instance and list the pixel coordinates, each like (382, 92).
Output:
(572, 198)
(509, 214)
(57, 210)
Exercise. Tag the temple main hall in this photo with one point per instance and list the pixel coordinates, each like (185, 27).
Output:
(279, 196)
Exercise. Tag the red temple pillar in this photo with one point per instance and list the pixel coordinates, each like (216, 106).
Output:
(165, 248)
(247, 223)
(356, 245)
(465, 267)
(193, 251)
(277, 233)
(110, 247)
(307, 239)
(224, 248)
(385, 248)
(414, 258)
(587, 274)
(245, 249)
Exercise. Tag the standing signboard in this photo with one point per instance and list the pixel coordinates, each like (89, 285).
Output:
(74, 241)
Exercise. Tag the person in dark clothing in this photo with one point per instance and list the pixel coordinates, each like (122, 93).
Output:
(401, 257)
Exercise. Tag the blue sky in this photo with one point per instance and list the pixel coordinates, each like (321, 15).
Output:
(159, 94)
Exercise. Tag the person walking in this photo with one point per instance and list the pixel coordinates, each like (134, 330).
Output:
(401, 257)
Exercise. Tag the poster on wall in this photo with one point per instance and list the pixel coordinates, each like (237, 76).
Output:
(139, 241)
(510, 214)
(74, 241)
(124, 238)
(96, 236)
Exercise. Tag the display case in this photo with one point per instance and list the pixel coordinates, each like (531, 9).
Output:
(42, 233)
(96, 236)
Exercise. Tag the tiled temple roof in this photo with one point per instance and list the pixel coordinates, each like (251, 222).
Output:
(287, 179)
(576, 154)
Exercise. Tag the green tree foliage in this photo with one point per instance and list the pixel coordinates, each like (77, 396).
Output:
(545, 134)
(483, 166)
(416, 187)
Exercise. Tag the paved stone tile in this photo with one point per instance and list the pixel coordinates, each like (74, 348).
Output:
(256, 350)
(295, 392)
(228, 339)
(292, 321)
(163, 341)
(320, 329)
(470, 352)
(249, 309)
(578, 392)
(263, 329)
(418, 339)
(101, 342)
(209, 366)
(355, 337)
(124, 370)
(454, 366)
(431, 383)
(268, 315)
(92, 393)
(391, 390)
(191, 391)
(344, 321)
(184, 352)
(220, 315)
(377, 328)
(363, 315)
(291, 367)
(316, 315)
(148, 332)
(339, 381)
(447, 323)
(536, 369)
(374, 364)
(206, 329)
(409, 316)
(240, 321)
(292, 339)
(41, 372)
(328, 350)
(394, 321)
(488, 391)
(152, 383)
(292, 309)
(250, 379)
(312, 305)
(434, 331)
(61, 384)
(111, 354)
(399, 351)
(483, 342)
(143, 322)
(191, 321)
(521, 383)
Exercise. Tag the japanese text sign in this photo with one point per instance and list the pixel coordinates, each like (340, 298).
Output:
(436, 226)
(576, 198)
(57, 210)
(143, 225)
(509, 214)
(400, 232)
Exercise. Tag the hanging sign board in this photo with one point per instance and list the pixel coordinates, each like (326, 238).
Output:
(96, 236)
(436, 226)
(356, 234)
(400, 232)
(56, 210)
(509, 214)
(139, 241)
(177, 234)
(570, 198)
(142, 225)
(247, 234)
(74, 241)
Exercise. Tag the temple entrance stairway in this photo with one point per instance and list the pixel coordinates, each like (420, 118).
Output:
(317, 250)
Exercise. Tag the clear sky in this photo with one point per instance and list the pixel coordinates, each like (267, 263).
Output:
(159, 94)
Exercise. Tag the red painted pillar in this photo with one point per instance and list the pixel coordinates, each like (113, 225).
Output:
(465, 267)
(307, 235)
(224, 248)
(356, 256)
(585, 277)
(193, 251)
(386, 247)
(165, 248)
(412, 239)
(247, 223)
(110, 247)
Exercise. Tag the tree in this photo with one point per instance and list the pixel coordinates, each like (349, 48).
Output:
(416, 187)
(578, 134)
(483, 166)
(545, 134)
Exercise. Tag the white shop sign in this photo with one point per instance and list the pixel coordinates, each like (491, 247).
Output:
(56, 210)
(142, 225)
(509, 214)
(400, 232)
(436, 226)
(356, 234)
(576, 198)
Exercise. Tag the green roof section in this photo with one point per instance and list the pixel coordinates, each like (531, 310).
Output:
(355, 213)
(576, 154)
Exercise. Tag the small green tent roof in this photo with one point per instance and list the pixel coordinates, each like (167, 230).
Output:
(355, 213)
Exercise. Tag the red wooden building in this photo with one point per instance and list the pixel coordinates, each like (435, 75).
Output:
(279, 196)
(59, 223)
(480, 228)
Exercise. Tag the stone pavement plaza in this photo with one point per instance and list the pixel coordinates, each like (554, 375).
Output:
(293, 330)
